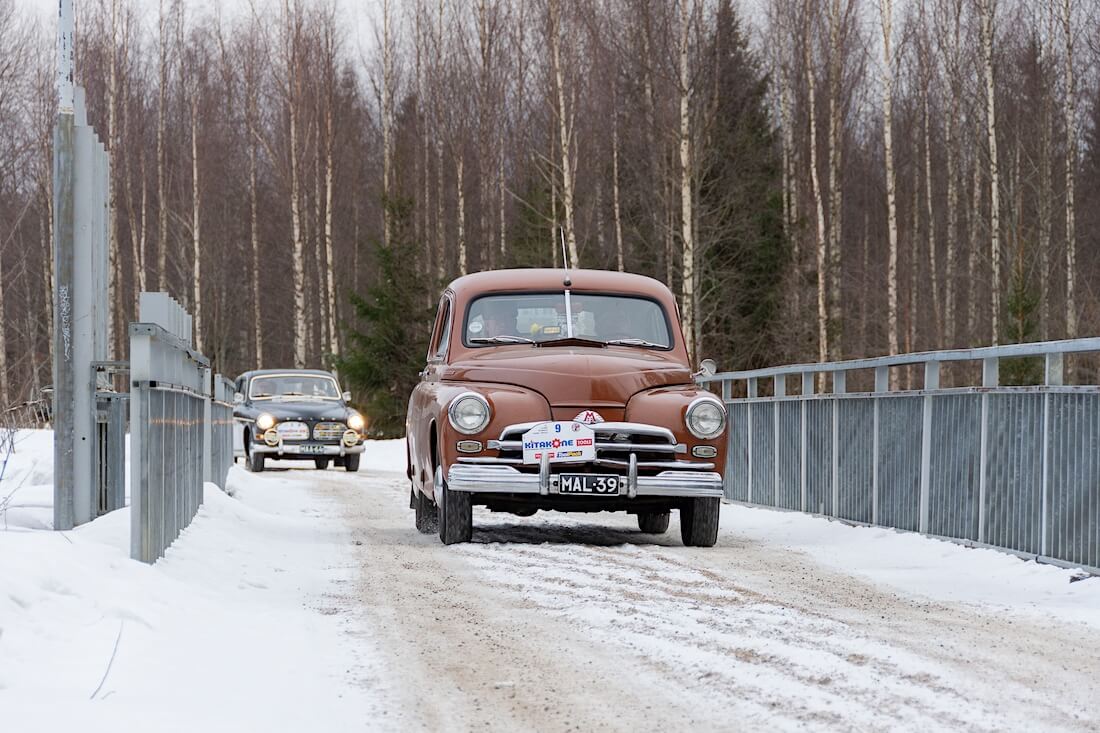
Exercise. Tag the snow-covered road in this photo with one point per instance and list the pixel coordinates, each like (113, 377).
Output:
(583, 623)
(307, 601)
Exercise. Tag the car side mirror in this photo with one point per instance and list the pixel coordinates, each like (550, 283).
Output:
(238, 398)
(347, 396)
(708, 368)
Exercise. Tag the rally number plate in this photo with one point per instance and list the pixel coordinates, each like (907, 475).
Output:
(588, 483)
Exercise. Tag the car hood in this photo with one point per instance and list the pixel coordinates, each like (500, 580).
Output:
(304, 409)
(574, 376)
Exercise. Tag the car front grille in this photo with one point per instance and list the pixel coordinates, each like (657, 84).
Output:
(293, 430)
(329, 430)
(653, 447)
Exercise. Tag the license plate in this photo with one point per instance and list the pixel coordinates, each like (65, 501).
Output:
(312, 448)
(588, 483)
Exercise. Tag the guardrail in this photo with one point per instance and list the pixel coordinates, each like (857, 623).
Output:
(1015, 468)
(178, 435)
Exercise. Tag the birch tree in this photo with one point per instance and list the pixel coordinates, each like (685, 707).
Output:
(886, 18)
(1070, 112)
(987, 10)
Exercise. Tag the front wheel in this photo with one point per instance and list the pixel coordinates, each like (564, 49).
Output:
(699, 522)
(320, 463)
(456, 512)
(653, 522)
(254, 461)
(351, 462)
(427, 515)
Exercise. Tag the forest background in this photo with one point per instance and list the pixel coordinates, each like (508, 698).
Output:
(814, 179)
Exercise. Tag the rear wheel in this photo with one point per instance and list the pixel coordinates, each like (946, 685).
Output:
(320, 463)
(456, 512)
(699, 522)
(653, 522)
(351, 462)
(427, 516)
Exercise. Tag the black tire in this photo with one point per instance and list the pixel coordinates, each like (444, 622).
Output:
(320, 463)
(351, 463)
(427, 516)
(253, 461)
(699, 522)
(654, 522)
(456, 512)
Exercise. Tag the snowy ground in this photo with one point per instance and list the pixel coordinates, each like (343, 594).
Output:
(307, 601)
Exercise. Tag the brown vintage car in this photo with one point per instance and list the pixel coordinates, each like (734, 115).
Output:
(568, 391)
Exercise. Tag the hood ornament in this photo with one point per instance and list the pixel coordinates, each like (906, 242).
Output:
(589, 417)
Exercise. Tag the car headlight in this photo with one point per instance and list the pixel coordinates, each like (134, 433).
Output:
(356, 422)
(265, 421)
(706, 418)
(469, 413)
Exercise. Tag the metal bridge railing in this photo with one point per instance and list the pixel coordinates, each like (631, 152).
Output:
(1016, 468)
(178, 434)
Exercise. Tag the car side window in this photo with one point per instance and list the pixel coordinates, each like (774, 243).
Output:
(443, 330)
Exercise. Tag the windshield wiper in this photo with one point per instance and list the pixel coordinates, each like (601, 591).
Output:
(573, 341)
(636, 342)
(502, 339)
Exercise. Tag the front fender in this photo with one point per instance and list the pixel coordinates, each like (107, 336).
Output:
(508, 405)
(667, 407)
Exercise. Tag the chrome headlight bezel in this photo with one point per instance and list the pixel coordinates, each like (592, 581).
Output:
(469, 398)
(692, 415)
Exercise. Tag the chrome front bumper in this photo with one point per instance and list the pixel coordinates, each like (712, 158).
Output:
(502, 479)
(295, 449)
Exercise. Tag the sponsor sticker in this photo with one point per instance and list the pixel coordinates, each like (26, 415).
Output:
(562, 442)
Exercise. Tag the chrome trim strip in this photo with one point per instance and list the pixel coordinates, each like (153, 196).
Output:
(634, 428)
(487, 479)
(640, 447)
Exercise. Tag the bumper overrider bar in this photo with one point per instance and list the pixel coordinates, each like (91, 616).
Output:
(493, 479)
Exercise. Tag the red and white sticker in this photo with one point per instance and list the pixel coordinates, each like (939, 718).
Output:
(561, 442)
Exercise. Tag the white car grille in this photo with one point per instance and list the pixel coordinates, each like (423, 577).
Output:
(329, 430)
(293, 430)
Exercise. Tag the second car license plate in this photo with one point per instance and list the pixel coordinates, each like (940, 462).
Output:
(588, 483)
(311, 448)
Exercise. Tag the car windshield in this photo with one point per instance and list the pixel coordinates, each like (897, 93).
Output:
(541, 318)
(297, 386)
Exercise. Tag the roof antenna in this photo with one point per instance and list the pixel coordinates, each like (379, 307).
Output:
(565, 257)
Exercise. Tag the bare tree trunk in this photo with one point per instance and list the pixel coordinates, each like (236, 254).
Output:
(952, 224)
(294, 84)
(387, 125)
(687, 175)
(565, 132)
(615, 203)
(5, 395)
(460, 193)
(501, 198)
(891, 181)
(330, 273)
(1045, 198)
(782, 42)
(162, 182)
(196, 220)
(972, 260)
(819, 206)
(835, 192)
(1070, 110)
(988, 8)
(930, 209)
(113, 144)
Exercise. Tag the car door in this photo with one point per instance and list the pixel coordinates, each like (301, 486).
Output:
(423, 404)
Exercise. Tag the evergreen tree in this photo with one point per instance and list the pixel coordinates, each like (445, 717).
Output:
(740, 207)
(384, 359)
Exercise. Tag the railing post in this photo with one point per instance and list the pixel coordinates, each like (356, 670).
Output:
(780, 391)
(931, 384)
(1053, 376)
(882, 384)
(839, 387)
(807, 390)
(727, 395)
(753, 390)
(990, 378)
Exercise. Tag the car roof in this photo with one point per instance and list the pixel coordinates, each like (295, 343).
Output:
(263, 372)
(544, 278)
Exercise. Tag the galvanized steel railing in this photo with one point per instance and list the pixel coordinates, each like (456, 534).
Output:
(179, 435)
(1016, 468)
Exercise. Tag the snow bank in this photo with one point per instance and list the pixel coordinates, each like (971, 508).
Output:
(242, 626)
(923, 566)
